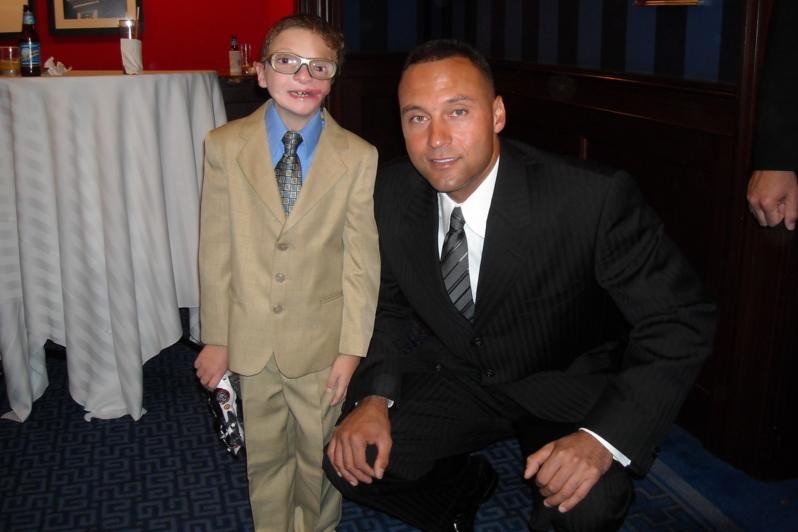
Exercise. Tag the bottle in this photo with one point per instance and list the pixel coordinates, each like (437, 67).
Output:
(235, 57)
(30, 59)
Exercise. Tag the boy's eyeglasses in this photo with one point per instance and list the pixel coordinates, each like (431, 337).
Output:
(287, 63)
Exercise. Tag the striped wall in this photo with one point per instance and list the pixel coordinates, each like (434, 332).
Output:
(699, 43)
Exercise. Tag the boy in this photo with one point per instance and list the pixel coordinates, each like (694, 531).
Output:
(289, 269)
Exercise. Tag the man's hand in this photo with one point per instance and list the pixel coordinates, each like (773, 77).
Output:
(340, 374)
(567, 469)
(211, 363)
(773, 197)
(367, 424)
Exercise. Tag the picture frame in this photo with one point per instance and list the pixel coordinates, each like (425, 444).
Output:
(92, 17)
(660, 3)
(11, 18)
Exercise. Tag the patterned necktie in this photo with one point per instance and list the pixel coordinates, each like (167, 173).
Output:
(454, 265)
(288, 171)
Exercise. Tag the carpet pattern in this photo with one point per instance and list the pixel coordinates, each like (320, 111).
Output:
(168, 472)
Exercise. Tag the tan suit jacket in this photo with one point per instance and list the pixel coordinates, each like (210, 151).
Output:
(303, 288)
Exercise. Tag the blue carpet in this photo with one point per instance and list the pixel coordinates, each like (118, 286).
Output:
(168, 472)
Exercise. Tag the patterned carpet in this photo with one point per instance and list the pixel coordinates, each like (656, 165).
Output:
(168, 472)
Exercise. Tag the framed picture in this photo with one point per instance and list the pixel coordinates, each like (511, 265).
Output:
(91, 17)
(11, 18)
(654, 3)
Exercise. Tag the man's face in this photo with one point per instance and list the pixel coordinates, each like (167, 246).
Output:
(450, 121)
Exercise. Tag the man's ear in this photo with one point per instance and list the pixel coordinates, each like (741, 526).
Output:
(499, 117)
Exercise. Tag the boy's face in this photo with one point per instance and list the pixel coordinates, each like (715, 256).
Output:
(297, 96)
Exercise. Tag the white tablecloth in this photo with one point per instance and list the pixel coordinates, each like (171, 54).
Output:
(100, 180)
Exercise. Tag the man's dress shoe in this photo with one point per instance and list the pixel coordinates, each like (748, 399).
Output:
(482, 479)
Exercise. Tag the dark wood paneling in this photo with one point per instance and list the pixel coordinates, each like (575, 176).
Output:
(241, 95)
(363, 100)
(676, 138)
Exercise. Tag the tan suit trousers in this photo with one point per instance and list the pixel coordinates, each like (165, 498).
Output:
(287, 422)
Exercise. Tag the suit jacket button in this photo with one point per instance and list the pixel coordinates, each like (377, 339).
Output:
(282, 246)
(277, 309)
(476, 341)
(490, 373)
(280, 277)
(437, 367)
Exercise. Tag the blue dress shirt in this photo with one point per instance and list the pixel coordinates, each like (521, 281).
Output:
(275, 129)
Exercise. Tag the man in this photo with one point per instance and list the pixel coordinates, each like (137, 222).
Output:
(773, 186)
(563, 317)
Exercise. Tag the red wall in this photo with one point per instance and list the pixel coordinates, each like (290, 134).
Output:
(177, 34)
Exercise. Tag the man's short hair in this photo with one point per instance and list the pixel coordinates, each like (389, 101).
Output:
(439, 49)
(333, 38)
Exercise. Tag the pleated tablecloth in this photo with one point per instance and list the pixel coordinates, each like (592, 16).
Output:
(100, 179)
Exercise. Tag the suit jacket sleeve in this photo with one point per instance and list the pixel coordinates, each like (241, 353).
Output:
(361, 261)
(214, 246)
(672, 324)
(776, 122)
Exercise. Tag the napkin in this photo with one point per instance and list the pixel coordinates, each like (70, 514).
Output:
(55, 69)
(131, 55)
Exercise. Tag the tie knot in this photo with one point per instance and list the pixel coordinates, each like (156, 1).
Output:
(457, 221)
(291, 140)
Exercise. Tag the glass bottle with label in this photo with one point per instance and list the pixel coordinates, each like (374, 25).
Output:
(30, 59)
(235, 57)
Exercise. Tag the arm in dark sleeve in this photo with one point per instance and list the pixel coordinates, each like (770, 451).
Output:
(775, 142)
(672, 325)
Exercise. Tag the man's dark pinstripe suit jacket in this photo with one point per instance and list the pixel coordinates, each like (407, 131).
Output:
(586, 311)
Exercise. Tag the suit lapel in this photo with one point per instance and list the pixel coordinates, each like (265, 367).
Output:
(254, 160)
(420, 240)
(506, 235)
(327, 168)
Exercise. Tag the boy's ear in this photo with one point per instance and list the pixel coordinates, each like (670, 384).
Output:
(260, 69)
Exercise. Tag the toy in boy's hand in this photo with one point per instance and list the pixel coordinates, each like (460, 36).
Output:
(222, 402)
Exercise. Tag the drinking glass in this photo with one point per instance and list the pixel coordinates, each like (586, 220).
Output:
(9, 61)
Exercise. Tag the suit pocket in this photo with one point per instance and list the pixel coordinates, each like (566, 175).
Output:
(331, 298)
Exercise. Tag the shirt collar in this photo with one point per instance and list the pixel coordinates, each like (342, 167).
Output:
(276, 129)
(475, 208)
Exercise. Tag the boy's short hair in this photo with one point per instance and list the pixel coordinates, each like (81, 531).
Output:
(333, 38)
(439, 49)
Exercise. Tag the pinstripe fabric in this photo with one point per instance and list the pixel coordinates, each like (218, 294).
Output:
(588, 316)
(557, 295)
(92, 257)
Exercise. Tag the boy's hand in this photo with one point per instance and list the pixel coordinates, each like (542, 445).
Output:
(341, 372)
(211, 363)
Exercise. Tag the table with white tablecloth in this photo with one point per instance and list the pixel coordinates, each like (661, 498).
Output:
(100, 178)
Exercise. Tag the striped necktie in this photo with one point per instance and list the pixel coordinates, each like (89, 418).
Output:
(289, 171)
(454, 266)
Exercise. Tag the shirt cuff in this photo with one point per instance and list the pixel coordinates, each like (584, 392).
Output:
(617, 455)
(389, 402)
